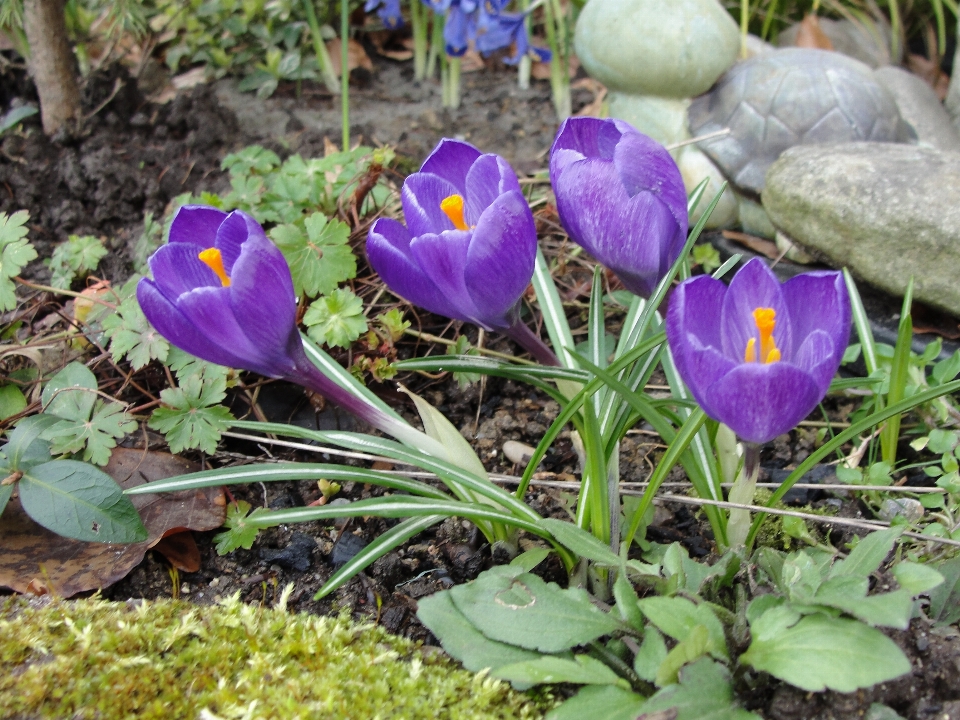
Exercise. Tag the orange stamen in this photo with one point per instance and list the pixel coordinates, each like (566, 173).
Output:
(212, 259)
(766, 321)
(452, 207)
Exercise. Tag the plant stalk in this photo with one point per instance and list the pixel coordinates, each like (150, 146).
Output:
(418, 24)
(324, 63)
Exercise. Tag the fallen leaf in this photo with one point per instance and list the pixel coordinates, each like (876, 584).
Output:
(811, 35)
(595, 106)
(471, 61)
(767, 248)
(541, 70)
(39, 561)
(180, 550)
(391, 45)
(928, 320)
(356, 56)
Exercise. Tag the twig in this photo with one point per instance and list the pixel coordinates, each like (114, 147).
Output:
(450, 343)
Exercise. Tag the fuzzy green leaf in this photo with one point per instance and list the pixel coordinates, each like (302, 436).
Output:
(79, 501)
(581, 669)
(318, 254)
(77, 257)
(60, 399)
(600, 702)
(821, 652)
(192, 418)
(336, 319)
(704, 693)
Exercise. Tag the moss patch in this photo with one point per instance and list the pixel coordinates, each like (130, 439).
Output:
(97, 659)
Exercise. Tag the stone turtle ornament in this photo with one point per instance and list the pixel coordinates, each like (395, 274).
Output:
(794, 96)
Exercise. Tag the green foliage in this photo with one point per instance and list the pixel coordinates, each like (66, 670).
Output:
(706, 256)
(87, 423)
(15, 116)
(75, 259)
(67, 497)
(15, 252)
(239, 533)
(193, 417)
(12, 401)
(279, 66)
(392, 324)
(336, 319)
(130, 334)
(318, 254)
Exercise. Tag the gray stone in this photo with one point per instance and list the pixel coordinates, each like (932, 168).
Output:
(668, 48)
(908, 508)
(920, 108)
(517, 452)
(885, 211)
(868, 43)
(795, 96)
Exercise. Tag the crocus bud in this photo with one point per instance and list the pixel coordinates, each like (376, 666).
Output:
(222, 291)
(469, 245)
(621, 197)
(758, 356)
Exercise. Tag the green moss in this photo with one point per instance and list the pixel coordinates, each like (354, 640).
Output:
(97, 659)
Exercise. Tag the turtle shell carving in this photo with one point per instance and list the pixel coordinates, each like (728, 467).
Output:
(794, 96)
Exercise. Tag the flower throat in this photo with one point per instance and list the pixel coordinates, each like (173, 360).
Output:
(212, 258)
(766, 320)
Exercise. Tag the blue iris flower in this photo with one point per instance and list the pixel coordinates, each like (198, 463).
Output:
(485, 24)
(387, 10)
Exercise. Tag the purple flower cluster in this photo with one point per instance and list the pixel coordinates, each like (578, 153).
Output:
(387, 10)
(485, 23)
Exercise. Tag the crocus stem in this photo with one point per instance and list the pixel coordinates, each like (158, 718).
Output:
(742, 492)
(320, 49)
(418, 22)
(345, 71)
(531, 342)
(744, 25)
(454, 78)
(559, 75)
(436, 45)
(526, 63)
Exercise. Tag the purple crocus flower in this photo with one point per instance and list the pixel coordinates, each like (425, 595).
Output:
(222, 291)
(469, 245)
(388, 11)
(758, 356)
(484, 22)
(621, 197)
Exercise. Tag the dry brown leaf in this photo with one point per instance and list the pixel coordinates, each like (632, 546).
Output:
(767, 248)
(595, 106)
(541, 70)
(811, 35)
(356, 56)
(389, 44)
(929, 320)
(471, 61)
(39, 561)
(180, 550)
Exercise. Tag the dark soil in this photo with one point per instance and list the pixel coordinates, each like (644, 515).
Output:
(135, 157)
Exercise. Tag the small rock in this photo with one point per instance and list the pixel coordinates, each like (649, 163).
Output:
(804, 496)
(517, 452)
(346, 548)
(920, 108)
(295, 556)
(908, 508)
(886, 211)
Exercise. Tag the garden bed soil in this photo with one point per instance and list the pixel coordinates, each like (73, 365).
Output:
(135, 157)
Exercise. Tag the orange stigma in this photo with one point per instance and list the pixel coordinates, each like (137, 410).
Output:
(452, 207)
(212, 259)
(766, 320)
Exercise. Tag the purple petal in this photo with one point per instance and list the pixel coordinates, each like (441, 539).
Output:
(591, 137)
(211, 313)
(443, 258)
(421, 196)
(638, 238)
(167, 320)
(818, 357)
(261, 294)
(235, 230)
(501, 256)
(489, 178)
(754, 286)
(644, 165)
(197, 225)
(452, 160)
(177, 269)
(819, 301)
(760, 402)
(388, 250)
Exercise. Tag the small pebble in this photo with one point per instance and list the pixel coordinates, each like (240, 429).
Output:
(922, 643)
(908, 508)
(346, 547)
(517, 452)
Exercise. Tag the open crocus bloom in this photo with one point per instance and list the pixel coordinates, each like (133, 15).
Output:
(620, 196)
(469, 245)
(222, 291)
(758, 356)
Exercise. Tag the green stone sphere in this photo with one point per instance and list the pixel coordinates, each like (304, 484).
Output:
(668, 48)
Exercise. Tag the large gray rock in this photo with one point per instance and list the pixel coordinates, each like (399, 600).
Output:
(885, 211)
(795, 96)
(920, 108)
